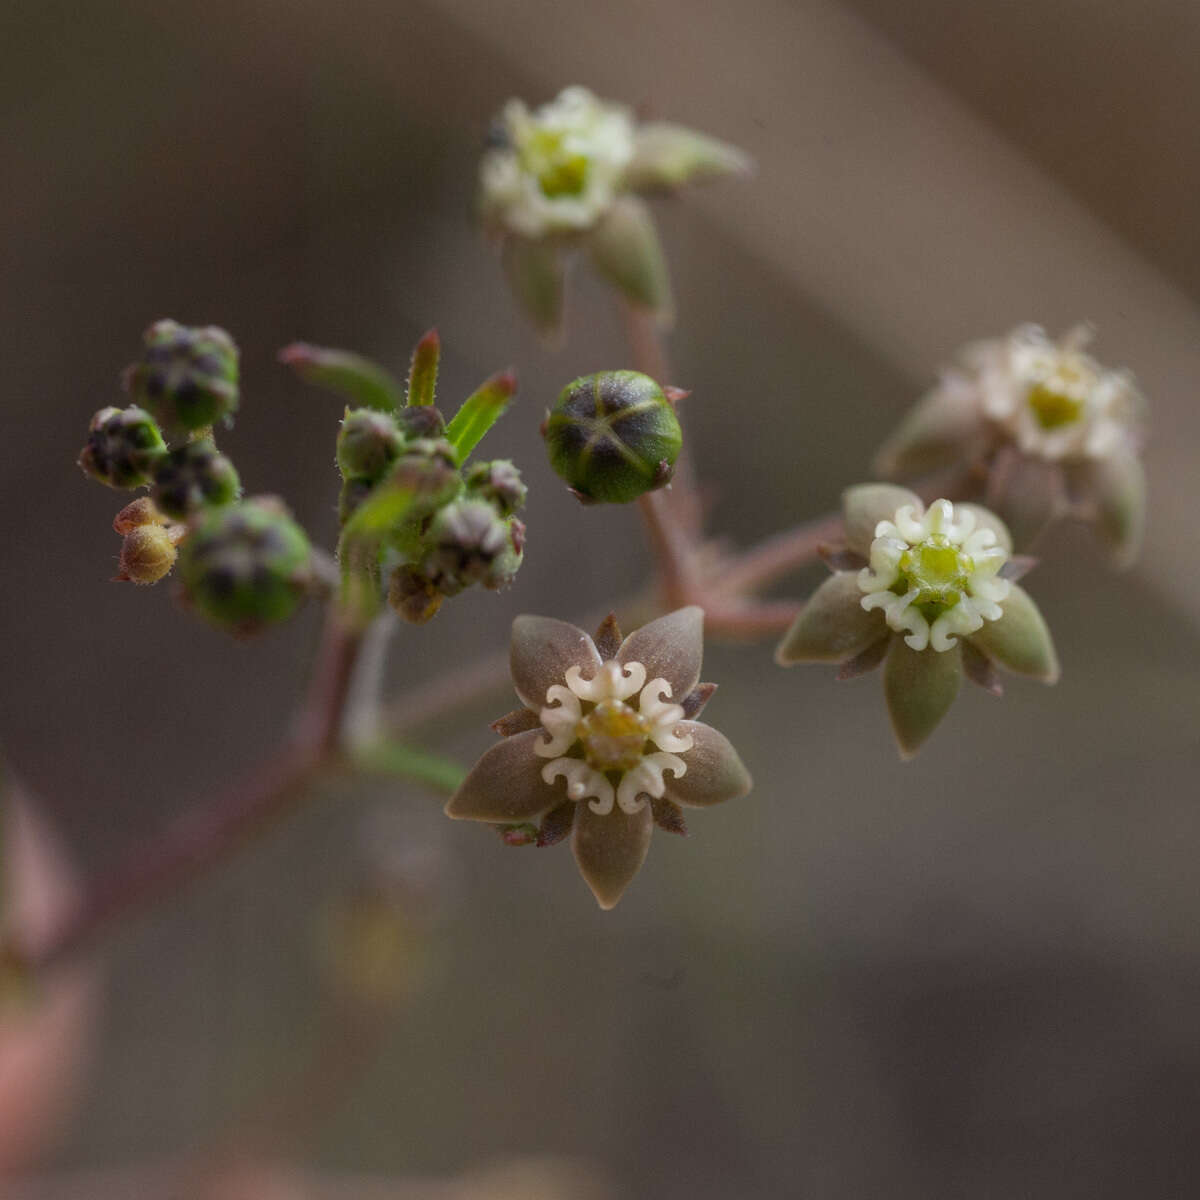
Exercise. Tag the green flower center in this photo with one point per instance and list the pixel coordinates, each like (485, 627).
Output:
(558, 172)
(613, 736)
(1053, 409)
(940, 573)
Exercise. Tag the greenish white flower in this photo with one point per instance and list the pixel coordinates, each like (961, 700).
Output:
(934, 575)
(1048, 430)
(1056, 401)
(929, 594)
(557, 168)
(605, 746)
(564, 176)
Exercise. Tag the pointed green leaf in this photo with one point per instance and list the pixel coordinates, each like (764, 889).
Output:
(535, 274)
(626, 251)
(919, 686)
(480, 412)
(366, 383)
(1019, 641)
(423, 370)
(832, 627)
(667, 156)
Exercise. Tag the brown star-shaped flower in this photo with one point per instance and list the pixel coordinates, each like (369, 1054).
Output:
(606, 745)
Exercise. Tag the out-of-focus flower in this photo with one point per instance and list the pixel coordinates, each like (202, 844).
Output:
(562, 175)
(606, 745)
(1052, 431)
(932, 594)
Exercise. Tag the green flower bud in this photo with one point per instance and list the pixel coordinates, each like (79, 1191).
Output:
(413, 595)
(147, 554)
(423, 421)
(187, 377)
(368, 443)
(195, 476)
(499, 482)
(246, 565)
(434, 447)
(468, 537)
(122, 448)
(613, 436)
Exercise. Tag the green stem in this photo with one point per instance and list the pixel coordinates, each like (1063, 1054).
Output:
(386, 757)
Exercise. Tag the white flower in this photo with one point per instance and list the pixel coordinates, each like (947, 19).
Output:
(1055, 401)
(934, 574)
(556, 169)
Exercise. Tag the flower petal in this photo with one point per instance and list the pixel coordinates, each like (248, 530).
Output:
(714, 771)
(541, 653)
(610, 849)
(940, 430)
(866, 504)
(1115, 487)
(832, 626)
(986, 519)
(625, 249)
(506, 784)
(667, 156)
(919, 686)
(670, 648)
(1019, 641)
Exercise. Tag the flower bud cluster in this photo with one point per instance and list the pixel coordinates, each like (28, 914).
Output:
(187, 377)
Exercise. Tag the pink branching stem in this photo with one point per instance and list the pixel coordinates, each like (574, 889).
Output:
(205, 835)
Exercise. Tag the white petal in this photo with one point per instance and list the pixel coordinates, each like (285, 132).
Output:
(582, 781)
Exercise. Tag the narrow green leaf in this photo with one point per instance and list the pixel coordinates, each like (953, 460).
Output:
(480, 412)
(423, 370)
(626, 251)
(410, 762)
(366, 383)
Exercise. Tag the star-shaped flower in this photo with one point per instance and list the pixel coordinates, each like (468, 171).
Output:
(929, 592)
(606, 745)
(1053, 432)
(562, 176)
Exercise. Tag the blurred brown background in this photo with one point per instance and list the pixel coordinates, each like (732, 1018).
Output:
(976, 975)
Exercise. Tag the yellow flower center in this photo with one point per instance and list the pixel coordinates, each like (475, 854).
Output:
(613, 736)
(1052, 408)
(938, 570)
(558, 171)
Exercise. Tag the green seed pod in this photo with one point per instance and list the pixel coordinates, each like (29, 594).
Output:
(195, 476)
(368, 443)
(187, 377)
(467, 537)
(613, 436)
(122, 448)
(147, 554)
(498, 482)
(413, 595)
(246, 566)
(423, 421)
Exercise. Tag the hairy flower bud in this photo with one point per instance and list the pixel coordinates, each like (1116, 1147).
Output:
(421, 421)
(188, 377)
(246, 565)
(122, 448)
(195, 476)
(147, 554)
(468, 537)
(498, 482)
(613, 436)
(413, 595)
(368, 443)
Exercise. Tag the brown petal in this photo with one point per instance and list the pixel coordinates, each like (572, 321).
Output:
(693, 703)
(506, 784)
(981, 670)
(867, 661)
(866, 504)
(670, 648)
(919, 686)
(610, 849)
(833, 626)
(714, 770)
(517, 721)
(541, 652)
(556, 824)
(668, 816)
